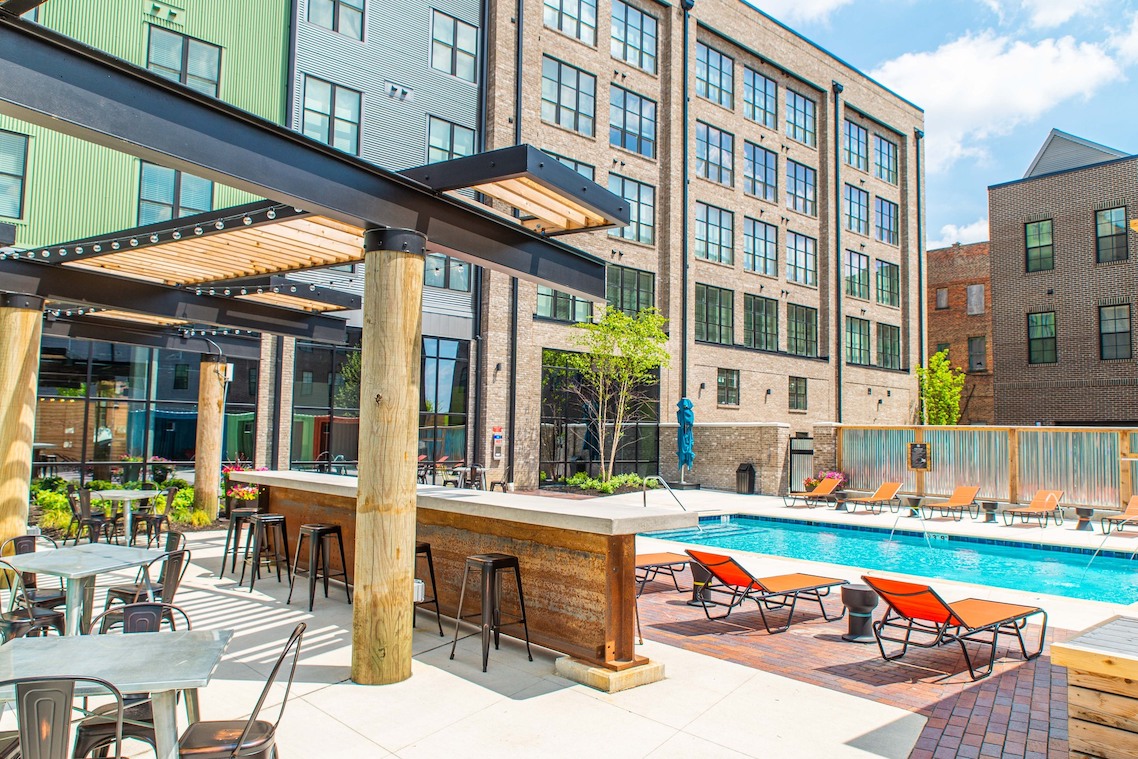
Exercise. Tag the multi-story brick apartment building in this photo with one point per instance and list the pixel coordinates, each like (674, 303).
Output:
(1064, 276)
(959, 298)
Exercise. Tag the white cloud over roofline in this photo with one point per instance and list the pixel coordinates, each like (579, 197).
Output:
(977, 231)
(790, 11)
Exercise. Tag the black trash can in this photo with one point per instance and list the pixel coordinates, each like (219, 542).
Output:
(745, 479)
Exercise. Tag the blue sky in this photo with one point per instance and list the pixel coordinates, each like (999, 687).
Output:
(993, 76)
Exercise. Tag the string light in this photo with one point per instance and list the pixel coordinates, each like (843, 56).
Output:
(154, 238)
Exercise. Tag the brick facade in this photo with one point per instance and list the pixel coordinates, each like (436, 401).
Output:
(721, 448)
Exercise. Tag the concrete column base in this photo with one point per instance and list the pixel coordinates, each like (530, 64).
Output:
(608, 680)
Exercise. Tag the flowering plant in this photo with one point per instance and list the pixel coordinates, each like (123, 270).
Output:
(812, 482)
(128, 457)
(244, 492)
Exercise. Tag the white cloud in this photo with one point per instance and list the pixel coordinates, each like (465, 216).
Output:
(1046, 14)
(789, 11)
(977, 231)
(1126, 44)
(982, 86)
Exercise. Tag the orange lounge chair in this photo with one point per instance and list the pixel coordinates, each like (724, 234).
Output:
(917, 609)
(1118, 521)
(823, 491)
(884, 495)
(962, 500)
(1044, 505)
(769, 593)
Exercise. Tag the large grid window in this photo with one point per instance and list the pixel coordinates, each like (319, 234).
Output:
(885, 159)
(801, 330)
(797, 393)
(454, 46)
(714, 75)
(888, 283)
(343, 16)
(801, 259)
(166, 194)
(1114, 331)
(1041, 338)
(1040, 247)
(586, 170)
(800, 119)
(446, 140)
(857, 210)
(714, 314)
(641, 209)
(760, 322)
(632, 122)
(760, 98)
(760, 247)
(194, 63)
(714, 233)
(857, 275)
(332, 114)
(634, 36)
(714, 154)
(800, 188)
(447, 273)
(977, 354)
(727, 387)
(888, 346)
(857, 146)
(888, 221)
(760, 172)
(857, 341)
(13, 170)
(630, 290)
(1110, 235)
(568, 96)
(577, 18)
(554, 304)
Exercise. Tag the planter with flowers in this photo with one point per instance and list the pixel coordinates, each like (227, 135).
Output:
(239, 495)
(843, 480)
(130, 467)
(160, 469)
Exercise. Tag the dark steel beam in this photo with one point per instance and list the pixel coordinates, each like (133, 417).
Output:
(286, 285)
(7, 234)
(107, 330)
(59, 84)
(20, 7)
(69, 285)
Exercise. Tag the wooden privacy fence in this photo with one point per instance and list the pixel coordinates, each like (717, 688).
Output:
(1094, 466)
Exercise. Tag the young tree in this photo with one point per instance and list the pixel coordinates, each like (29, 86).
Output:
(941, 386)
(621, 355)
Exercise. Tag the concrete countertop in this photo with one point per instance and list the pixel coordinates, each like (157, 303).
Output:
(594, 515)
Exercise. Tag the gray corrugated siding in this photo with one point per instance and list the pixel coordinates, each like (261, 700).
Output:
(1064, 154)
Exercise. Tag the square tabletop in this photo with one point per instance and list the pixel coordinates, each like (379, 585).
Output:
(85, 560)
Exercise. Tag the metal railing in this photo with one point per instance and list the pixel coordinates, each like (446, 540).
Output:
(662, 481)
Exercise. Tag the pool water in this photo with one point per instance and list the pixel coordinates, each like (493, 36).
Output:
(1112, 578)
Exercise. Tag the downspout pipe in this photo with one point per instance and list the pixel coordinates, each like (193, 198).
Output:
(838, 279)
(512, 426)
(476, 284)
(687, 5)
(918, 136)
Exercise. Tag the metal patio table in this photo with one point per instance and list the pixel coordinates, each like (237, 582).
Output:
(78, 566)
(126, 498)
(161, 664)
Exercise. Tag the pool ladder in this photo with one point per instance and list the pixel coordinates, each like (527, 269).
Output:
(1098, 550)
(919, 515)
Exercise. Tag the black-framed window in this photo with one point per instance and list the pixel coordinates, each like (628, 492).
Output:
(760, 247)
(714, 233)
(447, 140)
(888, 283)
(554, 304)
(857, 210)
(586, 170)
(888, 221)
(857, 275)
(714, 75)
(192, 62)
(714, 154)
(632, 121)
(801, 259)
(181, 377)
(577, 18)
(760, 98)
(801, 190)
(1110, 235)
(1114, 331)
(568, 96)
(885, 155)
(888, 346)
(634, 36)
(332, 114)
(444, 403)
(165, 194)
(801, 330)
(943, 348)
(641, 200)
(447, 273)
(13, 172)
(941, 298)
(727, 387)
(760, 322)
(760, 172)
(977, 354)
(1041, 347)
(796, 388)
(454, 46)
(343, 16)
(630, 290)
(714, 314)
(857, 341)
(800, 118)
(1040, 246)
(857, 146)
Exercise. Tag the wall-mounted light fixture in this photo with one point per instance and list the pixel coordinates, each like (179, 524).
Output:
(703, 386)
(869, 391)
(768, 391)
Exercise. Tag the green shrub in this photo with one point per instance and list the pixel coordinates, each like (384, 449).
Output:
(52, 484)
(100, 485)
(199, 518)
(49, 500)
(175, 482)
(55, 520)
(585, 482)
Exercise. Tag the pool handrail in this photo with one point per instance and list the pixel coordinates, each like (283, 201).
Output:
(662, 481)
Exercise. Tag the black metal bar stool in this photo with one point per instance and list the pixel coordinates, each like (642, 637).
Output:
(267, 540)
(237, 518)
(424, 549)
(319, 547)
(491, 565)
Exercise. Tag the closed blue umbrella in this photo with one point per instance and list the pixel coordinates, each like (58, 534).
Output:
(685, 441)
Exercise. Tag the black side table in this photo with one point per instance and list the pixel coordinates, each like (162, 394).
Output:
(860, 601)
(989, 511)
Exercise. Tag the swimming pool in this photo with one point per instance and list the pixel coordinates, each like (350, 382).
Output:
(1111, 577)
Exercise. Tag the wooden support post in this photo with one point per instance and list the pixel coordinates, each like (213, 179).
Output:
(211, 426)
(21, 322)
(382, 615)
(919, 475)
(1013, 465)
(1125, 485)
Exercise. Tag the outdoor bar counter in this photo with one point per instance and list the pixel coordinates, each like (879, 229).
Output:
(577, 556)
